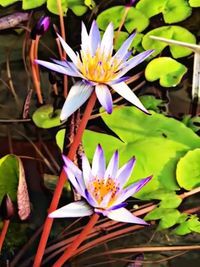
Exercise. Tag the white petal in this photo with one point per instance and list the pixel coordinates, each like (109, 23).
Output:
(94, 38)
(70, 53)
(123, 90)
(107, 41)
(58, 68)
(123, 215)
(104, 97)
(122, 52)
(74, 181)
(74, 209)
(87, 172)
(84, 39)
(112, 168)
(77, 96)
(98, 163)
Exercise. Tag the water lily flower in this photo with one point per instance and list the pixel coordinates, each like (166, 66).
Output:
(102, 188)
(98, 68)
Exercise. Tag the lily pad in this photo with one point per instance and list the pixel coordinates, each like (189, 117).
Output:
(122, 36)
(152, 103)
(170, 32)
(194, 3)
(168, 71)
(45, 117)
(135, 19)
(173, 11)
(188, 170)
(158, 143)
(9, 175)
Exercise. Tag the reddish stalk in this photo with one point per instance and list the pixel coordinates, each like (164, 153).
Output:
(79, 239)
(58, 191)
(36, 80)
(3, 232)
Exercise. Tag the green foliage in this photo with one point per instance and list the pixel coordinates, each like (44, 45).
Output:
(9, 176)
(194, 3)
(45, 117)
(152, 103)
(173, 11)
(121, 36)
(168, 71)
(188, 170)
(135, 20)
(79, 7)
(169, 32)
(192, 122)
(158, 143)
(167, 217)
(188, 225)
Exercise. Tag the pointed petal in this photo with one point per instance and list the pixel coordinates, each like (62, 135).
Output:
(107, 41)
(136, 60)
(121, 53)
(131, 190)
(74, 209)
(58, 68)
(105, 201)
(70, 66)
(87, 172)
(70, 164)
(123, 90)
(90, 199)
(112, 168)
(74, 181)
(77, 174)
(123, 215)
(84, 38)
(98, 163)
(94, 38)
(125, 172)
(77, 96)
(104, 97)
(70, 53)
(119, 80)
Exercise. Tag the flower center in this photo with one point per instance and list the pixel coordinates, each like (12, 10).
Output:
(100, 68)
(99, 188)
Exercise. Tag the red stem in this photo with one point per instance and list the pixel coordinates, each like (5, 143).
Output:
(78, 240)
(3, 232)
(62, 179)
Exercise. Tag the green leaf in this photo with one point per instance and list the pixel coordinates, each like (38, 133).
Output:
(122, 36)
(168, 71)
(173, 11)
(77, 6)
(194, 3)
(45, 117)
(5, 3)
(9, 175)
(192, 122)
(170, 219)
(27, 4)
(135, 20)
(192, 224)
(188, 170)
(152, 103)
(157, 141)
(170, 32)
(60, 138)
(174, 202)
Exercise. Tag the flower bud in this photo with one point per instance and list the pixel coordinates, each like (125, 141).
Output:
(7, 210)
(41, 27)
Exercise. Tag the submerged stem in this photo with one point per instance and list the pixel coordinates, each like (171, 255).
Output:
(78, 240)
(58, 191)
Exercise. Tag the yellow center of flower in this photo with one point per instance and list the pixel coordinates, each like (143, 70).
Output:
(99, 188)
(100, 68)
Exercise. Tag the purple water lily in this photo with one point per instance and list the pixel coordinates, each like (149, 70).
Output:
(102, 188)
(98, 69)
